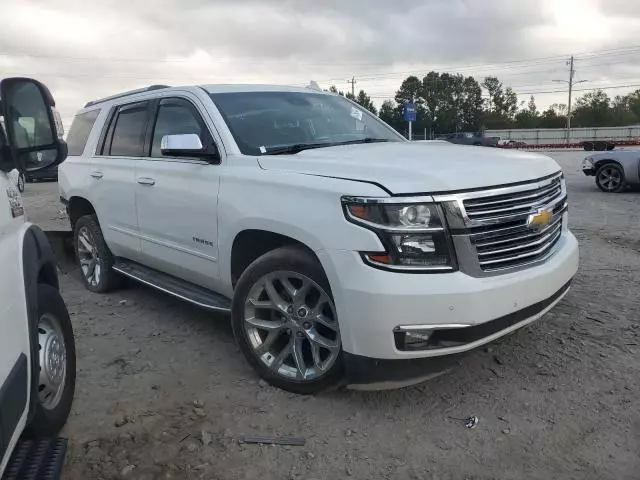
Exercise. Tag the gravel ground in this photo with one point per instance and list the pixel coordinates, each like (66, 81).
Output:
(163, 392)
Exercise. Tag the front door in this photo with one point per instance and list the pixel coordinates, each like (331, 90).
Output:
(176, 199)
(14, 322)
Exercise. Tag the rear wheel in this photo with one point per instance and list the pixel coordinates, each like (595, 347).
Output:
(57, 364)
(285, 322)
(94, 257)
(21, 182)
(610, 178)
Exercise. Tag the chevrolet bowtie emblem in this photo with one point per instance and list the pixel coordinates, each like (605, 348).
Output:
(540, 220)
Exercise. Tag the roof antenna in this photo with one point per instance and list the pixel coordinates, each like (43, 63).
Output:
(313, 85)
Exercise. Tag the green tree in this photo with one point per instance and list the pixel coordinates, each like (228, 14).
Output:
(389, 114)
(529, 117)
(593, 109)
(551, 119)
(364, 101)
(502, 104)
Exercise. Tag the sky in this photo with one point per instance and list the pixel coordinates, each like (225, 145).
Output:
(86, 49)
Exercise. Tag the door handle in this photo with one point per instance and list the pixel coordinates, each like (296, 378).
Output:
(146, 181)
(96, 175)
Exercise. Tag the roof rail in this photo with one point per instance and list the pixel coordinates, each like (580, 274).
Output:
(125, 94)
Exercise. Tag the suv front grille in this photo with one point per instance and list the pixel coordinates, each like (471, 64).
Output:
(510, 204)
(494, 233)
(498, 250)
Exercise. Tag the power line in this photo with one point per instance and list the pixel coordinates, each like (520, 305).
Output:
(536, 92)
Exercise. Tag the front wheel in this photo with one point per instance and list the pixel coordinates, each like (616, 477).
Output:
(285, 322)
(610, 178)
(57, 365)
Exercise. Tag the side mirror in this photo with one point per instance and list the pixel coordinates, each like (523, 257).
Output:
(186, 145)
(33, 126)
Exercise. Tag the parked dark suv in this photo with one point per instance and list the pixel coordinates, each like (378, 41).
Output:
(472, 138)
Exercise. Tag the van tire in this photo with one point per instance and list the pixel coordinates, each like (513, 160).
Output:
(48, 418)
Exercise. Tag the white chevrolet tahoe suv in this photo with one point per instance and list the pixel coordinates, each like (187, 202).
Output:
(345, 253)
(37, 352)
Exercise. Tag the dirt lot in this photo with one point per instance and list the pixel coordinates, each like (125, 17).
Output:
(163, 392)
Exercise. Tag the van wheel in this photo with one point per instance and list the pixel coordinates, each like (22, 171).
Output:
(21, 182)
(57, 365)
(285, 322)
(610, 178)
(94, 257)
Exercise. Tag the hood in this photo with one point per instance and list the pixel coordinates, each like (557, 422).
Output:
(417, 167)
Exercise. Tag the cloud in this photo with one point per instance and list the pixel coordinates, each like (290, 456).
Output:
(84, 50)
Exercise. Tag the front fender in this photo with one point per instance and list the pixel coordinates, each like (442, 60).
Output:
(38, 265)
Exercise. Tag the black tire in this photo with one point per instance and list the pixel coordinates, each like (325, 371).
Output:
(108, 278)
(47, 421)
(613, 171)
(21, 182)
(290, 259)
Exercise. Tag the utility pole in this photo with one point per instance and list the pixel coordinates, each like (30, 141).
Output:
(353, 86)
(572, 73)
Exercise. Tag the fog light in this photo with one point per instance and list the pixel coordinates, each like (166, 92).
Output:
(413, 340)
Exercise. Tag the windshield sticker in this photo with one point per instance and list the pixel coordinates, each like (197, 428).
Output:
(263, 150)
(355, 113)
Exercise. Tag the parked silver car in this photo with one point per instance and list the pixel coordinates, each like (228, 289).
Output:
(614, 170)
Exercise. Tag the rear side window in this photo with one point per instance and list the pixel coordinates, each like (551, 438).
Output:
(128, 131)
(80, 130)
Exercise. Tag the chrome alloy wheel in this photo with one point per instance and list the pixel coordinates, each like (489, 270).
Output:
(610, 178)
(89, 257)
(292, 326)
(53, 361)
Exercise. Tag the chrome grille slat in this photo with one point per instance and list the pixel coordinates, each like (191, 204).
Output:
(527, 206)
(496, 223)
(473, 204)
(526, 234)
(540, 251)
(520, 246)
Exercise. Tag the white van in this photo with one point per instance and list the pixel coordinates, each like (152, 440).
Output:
(37, 351)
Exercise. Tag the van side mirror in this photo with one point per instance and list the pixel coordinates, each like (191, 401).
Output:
(33, 127)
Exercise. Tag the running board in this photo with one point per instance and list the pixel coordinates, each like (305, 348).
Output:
(173, 286)
(40, 459)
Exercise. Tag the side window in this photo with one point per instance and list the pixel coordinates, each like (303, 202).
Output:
(128, 131)
(177, 116)
(80, 130)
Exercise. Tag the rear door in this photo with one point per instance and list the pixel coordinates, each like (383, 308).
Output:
(113, 176)
(177, 198)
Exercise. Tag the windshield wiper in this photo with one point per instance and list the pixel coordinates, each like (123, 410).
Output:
(298, 147)
(362, 140)
(295, 148)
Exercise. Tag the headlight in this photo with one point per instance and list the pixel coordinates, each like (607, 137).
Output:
(413, 234)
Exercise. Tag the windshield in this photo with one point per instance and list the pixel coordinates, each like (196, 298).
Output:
(261, 122)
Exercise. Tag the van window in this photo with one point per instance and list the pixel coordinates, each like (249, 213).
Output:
(80, 130)
(176, 116)
(129, 130)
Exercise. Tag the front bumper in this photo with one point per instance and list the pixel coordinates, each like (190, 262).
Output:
(371, 303)
(588, 168)
(366, 373)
